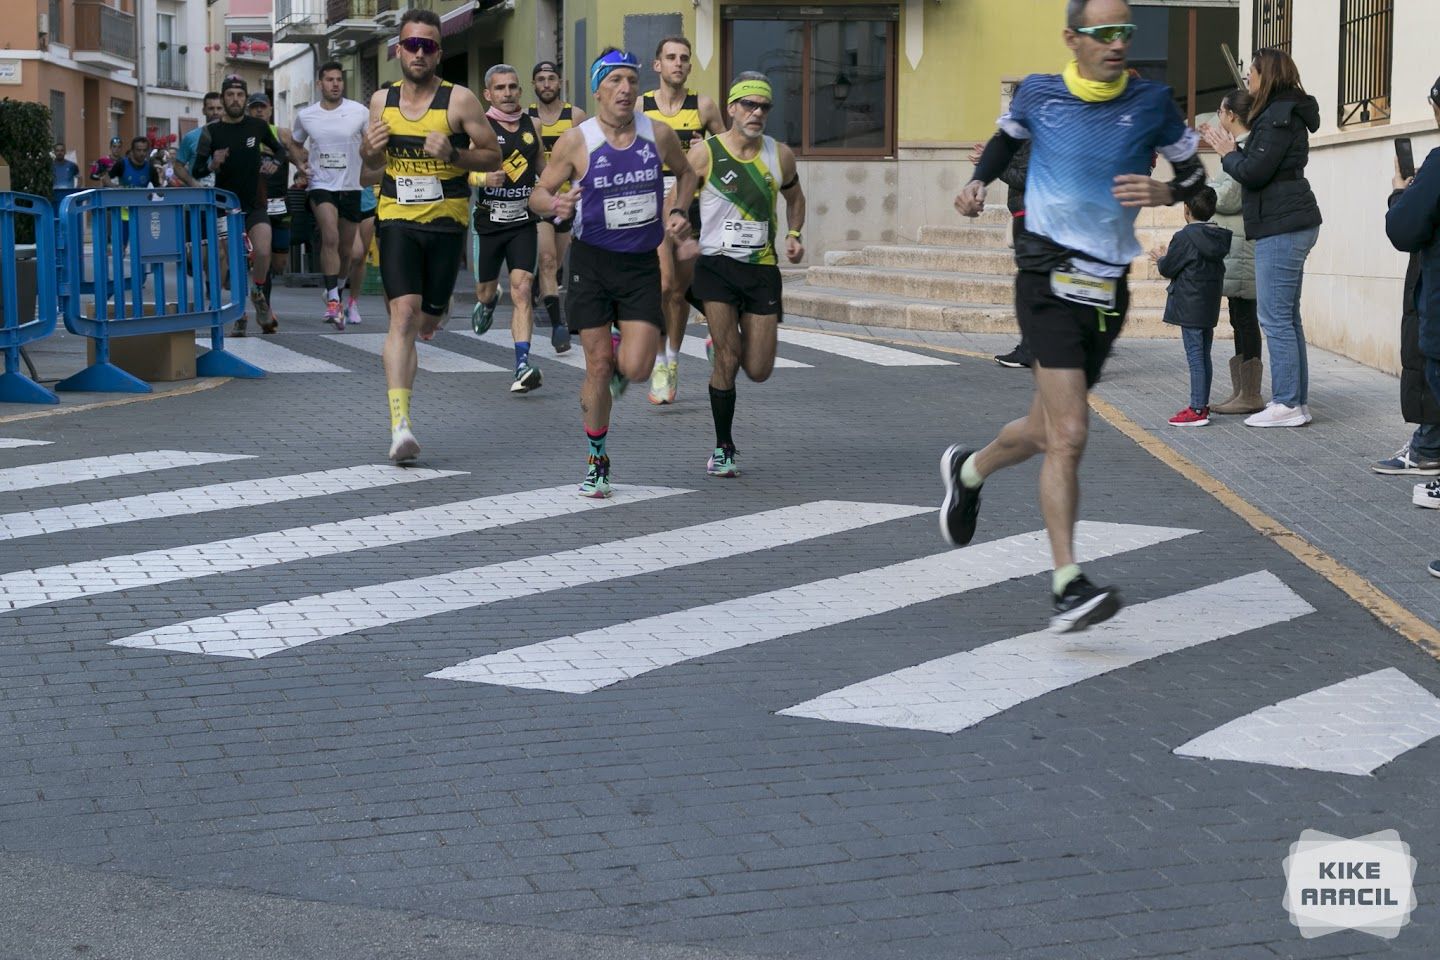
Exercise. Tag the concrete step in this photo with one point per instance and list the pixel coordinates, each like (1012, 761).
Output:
(968, 235)
(947, 259)
(949, 287)
(882, 310)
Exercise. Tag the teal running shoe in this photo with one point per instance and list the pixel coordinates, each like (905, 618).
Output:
(596, 485)
(722, 463)
(482, 317)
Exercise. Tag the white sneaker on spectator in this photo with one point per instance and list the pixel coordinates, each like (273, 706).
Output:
(1427, 495)
(1278, 415)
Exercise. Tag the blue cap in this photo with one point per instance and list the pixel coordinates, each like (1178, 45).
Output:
(607, 62)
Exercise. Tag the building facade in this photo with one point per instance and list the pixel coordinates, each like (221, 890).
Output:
(79, 58)
(173, 34)
(1368, 63)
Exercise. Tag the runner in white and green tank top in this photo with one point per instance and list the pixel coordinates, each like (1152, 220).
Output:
(737, 275)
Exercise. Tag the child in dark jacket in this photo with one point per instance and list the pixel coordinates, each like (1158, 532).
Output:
(1195, 266)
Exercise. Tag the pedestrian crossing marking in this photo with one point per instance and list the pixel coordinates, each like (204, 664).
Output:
(59, 472)
(860, 349)
(952, 693)
(210, 498)
(11, 443)
(693, 346)
(589, 661)
(276, 627)
(1354, 727)
(574, 357)
(431, 358)
(30, 588)
(273, 358)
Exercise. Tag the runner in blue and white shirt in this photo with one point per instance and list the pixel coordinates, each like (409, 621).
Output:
(1093, 131)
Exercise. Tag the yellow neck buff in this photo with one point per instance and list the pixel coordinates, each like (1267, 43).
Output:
(1092, 91)
(749, 88)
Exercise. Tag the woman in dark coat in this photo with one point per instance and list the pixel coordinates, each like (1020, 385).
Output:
(1283, 219)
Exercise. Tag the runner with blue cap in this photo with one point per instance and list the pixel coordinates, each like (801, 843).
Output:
(614, 160)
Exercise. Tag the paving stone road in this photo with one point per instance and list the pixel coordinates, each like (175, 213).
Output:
(767, 717)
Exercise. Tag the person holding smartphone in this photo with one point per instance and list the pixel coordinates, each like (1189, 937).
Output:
(1419, 403)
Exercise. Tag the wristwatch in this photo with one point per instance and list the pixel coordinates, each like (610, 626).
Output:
(793, 233)
(680, 210)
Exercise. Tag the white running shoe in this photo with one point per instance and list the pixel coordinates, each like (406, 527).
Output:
(352, 313)
(403, 445)
(1278, 415)
(1427, 495)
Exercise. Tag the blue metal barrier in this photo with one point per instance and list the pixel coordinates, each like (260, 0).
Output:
(15, 387)
(135, 235)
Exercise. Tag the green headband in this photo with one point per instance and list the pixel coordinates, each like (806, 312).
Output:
(746, 88)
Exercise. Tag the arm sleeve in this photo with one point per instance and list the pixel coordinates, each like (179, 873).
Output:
(1412, 220)
(1255, 164)
(997, 156)
(1176, 257)
(200, 166)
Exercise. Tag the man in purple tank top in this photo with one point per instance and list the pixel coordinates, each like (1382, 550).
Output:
(614, 160)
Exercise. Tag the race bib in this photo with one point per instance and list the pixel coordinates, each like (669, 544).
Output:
(669, 186)
(334, 161)
(1076, 286)
(508, 211)
(275, 207)
(625, 213)
(744, 236)
(417, 189)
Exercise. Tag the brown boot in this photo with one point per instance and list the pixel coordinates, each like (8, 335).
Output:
(1252, 372)
(1234, 388)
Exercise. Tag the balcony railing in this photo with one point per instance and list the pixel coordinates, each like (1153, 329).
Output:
(337, 10)
(299, 21)
(1367, 45)
(100, 28)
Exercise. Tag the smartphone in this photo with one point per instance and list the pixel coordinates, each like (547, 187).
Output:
(1406, 155)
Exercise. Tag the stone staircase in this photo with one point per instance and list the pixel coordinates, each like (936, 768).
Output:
(960, 277)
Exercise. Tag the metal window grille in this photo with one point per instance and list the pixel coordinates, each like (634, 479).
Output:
(1367, 48)
(1273, 20)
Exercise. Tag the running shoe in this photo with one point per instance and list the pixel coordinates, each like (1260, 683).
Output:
(1406, 463)
(1190, 417)
(1434, 568)
(403, 445)
(527, 378)
(352, 313)
(239, 329)
(1426, 495)
(1278, 415)
(560, 337)
(334, 315)
(710, 350)
(1082, 604)
(482, 317)
(722, 463)
(263, 316)
(618, 384)
(961, 506)
(1014, 359)
(597, 479)
(662, 382)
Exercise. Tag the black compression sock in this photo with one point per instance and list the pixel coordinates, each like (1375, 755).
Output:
(722, 408)
(552, 310)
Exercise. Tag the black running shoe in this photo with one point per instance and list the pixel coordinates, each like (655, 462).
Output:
(1083, 604)
(560, 337)
(961, 504)
(1015, 358)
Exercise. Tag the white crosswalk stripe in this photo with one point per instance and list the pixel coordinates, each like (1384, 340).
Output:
(11, 443)
(30, 588)
(432, 359)
(540, 353)
(693, 346)
(860, 349)
(276, 627)
(210, 498)
(59, 472)
(597, 658)
(273, 358)
(1353, 727)
(955, 692)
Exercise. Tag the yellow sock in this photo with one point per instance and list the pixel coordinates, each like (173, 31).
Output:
(399, 406)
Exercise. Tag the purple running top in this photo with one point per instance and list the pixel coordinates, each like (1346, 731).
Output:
(622, 191)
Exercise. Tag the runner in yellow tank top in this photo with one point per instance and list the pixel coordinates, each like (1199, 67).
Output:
(691, 115)
(427, 134)
(554, 116)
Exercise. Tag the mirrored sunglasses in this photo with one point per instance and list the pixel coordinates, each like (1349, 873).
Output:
(420, 45)
(1109, 32)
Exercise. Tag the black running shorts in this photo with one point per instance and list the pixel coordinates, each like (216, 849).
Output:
(345, 202)
(752, 288)
(416, 259)
(606, 286)
(517, 247)
(1064, 335)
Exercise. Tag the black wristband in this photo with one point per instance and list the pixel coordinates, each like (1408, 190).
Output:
(680, 210)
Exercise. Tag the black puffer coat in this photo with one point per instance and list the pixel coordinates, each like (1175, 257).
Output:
(1271, 168)
(1195, 267)
(1417, 403)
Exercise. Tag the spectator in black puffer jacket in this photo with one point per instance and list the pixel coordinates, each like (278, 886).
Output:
(1418, 404)
(1283, 219)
